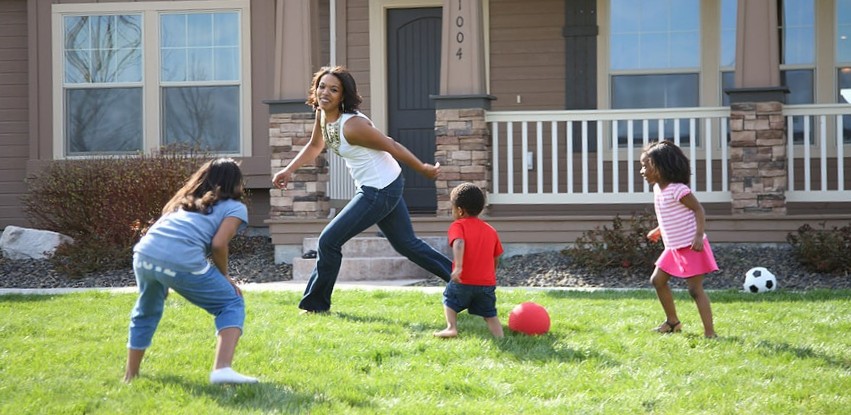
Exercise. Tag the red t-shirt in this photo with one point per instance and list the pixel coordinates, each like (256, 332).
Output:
(481, 246)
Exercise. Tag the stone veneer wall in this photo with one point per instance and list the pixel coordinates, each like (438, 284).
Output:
(758, 180)
(463, 149)
(306, 195)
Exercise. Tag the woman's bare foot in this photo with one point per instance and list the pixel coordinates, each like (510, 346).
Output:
(446, 333)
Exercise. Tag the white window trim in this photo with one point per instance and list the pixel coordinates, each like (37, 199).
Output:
(151, 129)
(708, 71)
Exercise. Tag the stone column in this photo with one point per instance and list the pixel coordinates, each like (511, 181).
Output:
(758, 172)
(306, 195)
(290, 119)
(461, 134)
(463, 143)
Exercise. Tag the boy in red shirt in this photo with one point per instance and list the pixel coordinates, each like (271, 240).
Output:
(476, 249)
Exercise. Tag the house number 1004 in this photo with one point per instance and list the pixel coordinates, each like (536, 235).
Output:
(459, 37)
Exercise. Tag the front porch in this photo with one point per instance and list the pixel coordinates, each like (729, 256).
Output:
(760, 170)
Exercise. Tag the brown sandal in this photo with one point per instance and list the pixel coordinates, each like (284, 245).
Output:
(668, 327)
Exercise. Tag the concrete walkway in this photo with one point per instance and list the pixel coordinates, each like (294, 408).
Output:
(298, 286)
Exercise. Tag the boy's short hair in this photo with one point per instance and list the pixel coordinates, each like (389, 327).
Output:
(469, 197)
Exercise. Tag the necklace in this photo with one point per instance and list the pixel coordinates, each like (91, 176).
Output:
(331, 133)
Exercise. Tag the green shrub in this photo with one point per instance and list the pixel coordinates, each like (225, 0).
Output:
(105, 204)
(618, 246)
(822, 250)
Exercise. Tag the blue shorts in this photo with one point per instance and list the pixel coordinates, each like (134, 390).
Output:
(479, 300)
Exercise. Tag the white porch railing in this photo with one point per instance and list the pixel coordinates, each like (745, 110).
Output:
(573, 157)
(817, 169)
(340, 186)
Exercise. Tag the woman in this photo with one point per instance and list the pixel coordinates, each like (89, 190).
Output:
(371, 157)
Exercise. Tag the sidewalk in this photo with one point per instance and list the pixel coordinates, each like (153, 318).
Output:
(298, 286)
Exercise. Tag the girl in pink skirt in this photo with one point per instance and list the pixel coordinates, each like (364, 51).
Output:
(681, 224)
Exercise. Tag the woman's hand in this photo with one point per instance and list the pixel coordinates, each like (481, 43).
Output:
(282, 178)
(431, 171)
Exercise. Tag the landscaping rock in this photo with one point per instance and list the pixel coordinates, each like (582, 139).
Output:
(25, 243)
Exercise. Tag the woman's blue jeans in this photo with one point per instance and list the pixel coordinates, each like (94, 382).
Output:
(370, 206)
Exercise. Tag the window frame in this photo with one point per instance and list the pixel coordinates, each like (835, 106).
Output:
(151, 84)
(608, 74)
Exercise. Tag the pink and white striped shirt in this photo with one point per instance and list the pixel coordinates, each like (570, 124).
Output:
(676, 221)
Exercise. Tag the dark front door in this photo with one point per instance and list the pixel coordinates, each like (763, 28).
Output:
(413, 73)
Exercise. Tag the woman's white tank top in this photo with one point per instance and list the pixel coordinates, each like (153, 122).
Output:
(368, 167)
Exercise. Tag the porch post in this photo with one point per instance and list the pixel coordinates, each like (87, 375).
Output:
(758, 179)
(758, 158)
(461, 135)
(290, 119)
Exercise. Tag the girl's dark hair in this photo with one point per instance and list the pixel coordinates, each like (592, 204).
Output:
(469, 197)
(351, 99)
(215, 180)
(670, 161)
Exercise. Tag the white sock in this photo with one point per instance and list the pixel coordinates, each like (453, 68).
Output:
(228, 375)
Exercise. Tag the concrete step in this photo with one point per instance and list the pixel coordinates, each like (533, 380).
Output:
(375, 246)
(369, 258)
(366, 269)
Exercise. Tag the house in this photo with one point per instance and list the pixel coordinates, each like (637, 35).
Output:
(546, 103)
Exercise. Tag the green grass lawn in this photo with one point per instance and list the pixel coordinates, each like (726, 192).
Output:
(778, 353)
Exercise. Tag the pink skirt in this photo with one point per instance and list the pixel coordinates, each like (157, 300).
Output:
(687, 263)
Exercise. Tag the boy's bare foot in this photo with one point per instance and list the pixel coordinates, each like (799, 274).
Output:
(446, 333)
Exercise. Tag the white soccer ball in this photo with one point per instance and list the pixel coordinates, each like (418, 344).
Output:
(760, 280)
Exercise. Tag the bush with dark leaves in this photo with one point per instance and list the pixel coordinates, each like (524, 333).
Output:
(105, 204)
(822, 250)
(623, 245)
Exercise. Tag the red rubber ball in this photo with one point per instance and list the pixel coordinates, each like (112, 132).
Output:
(529, 318)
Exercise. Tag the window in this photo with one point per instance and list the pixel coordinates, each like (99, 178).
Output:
(797, 55)
(797, 32)
(655, 34)
(136, 76)
(102, 83)
(655, 57)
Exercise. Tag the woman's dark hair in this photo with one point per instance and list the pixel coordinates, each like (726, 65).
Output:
(215, 180)
(468, 197)
(670, 161)
(351, 99)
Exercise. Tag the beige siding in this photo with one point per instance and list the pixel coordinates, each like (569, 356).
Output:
(14, 110)
(324, 34)
(527, 54)
(357, 46)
